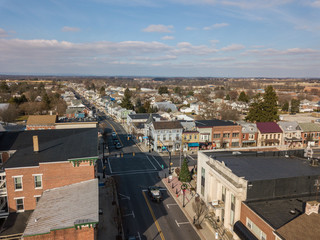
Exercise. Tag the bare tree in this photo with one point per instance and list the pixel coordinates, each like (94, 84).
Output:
(233, 95)
(10, 114)
(200, 209)
(227, 113)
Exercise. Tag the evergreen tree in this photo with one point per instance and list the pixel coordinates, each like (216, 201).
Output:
(102, 91)
(163, 90)
(285, 106)
(228, 97)
(126, 101)
(243, 97)
(264, 109)
(295, 103)
(184, 173)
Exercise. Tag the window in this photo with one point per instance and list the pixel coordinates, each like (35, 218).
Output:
(216, 135)
(19, 204)
(38, 181)
(170, 138)
(203, 173)
(256, 230)
(226, 135)
(37, 197)
(235, 135)
(235, 144)
(17, 183)
(233, 203)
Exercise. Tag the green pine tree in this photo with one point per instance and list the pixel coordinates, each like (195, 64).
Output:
(264, 109)
(126, 101)
(243, 97)
(184, 173)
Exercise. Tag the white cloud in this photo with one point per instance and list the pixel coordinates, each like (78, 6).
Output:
(232, 47)
(290, 51)
(158, 28)
(220, 59)
(191, 28)
(3, 33)
(216, 25)
(167, 38)
(70, 29)
(316, 4)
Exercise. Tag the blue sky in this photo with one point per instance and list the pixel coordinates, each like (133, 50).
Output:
(215, 38)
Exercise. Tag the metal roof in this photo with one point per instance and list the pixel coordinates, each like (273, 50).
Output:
(65, 207)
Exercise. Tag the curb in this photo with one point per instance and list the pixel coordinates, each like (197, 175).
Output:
(183, 210)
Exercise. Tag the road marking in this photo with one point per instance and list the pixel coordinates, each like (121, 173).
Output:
(151, 163)
(130, 214)
(181, 223)
(190, 157)
(171, 204)
(139, 236)
(124, 196)
(156, 161)
(153, 216)
(110, 166)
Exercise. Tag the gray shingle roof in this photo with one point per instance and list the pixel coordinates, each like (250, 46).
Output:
(310, 127)
(64, 207)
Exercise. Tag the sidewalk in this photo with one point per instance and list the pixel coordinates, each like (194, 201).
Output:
(110, 220)
(206, 232)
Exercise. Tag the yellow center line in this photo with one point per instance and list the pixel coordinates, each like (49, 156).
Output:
(153, 216)
(114, 131)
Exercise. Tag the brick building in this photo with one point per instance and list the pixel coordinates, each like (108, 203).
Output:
(218, 134)
(44, 160)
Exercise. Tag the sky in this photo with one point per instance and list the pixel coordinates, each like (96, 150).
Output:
(168, 38)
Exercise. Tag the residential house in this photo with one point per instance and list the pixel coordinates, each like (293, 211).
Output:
(270, 134)
(135, 122)
(310, 133)
(252, 195)
(165, 106)
(291, 134)
(249, 134)
(166, 134)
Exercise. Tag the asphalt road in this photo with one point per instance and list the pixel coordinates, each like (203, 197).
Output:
(134, 171)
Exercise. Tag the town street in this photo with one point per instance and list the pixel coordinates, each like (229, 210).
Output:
(134, 171)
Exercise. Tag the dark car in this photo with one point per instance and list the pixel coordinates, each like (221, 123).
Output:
(118, 145)
(115, 141)
(155, 193)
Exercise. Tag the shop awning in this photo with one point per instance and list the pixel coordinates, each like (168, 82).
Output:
(243, 232)
(193, 144)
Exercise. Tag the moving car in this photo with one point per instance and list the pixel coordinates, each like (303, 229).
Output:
(154, 193)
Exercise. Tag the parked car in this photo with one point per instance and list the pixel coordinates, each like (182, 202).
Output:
(115, 141)
(154, 193)
(118, 145)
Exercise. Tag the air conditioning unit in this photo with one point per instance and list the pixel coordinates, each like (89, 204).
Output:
(215, 202)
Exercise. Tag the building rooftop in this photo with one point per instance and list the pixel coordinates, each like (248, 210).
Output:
(213, 123)
(279, 212)
(36, 120)
(65, 207)
(310, 127)
(15, 223)
(303, 227)
(54, 146)
(254, 166)
(143, 115)
(167, 125)
(268, 127)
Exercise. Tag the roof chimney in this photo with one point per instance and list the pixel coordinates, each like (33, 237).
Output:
(312, 207)
(35, 144)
